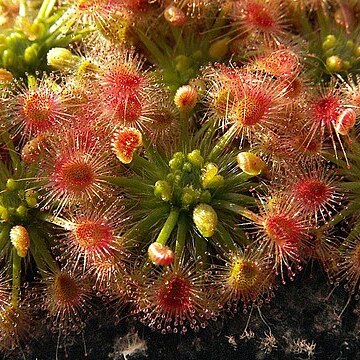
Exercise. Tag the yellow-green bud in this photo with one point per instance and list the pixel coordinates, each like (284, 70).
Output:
(37, 29)
(329, 42)
(334, 63)
(205, 219)
(163, 190)
(14, 39)
(195, 158)
(250, 164)
(8, 58)
(31, 54)
(357, 51)
(219, 49)
(20, 239)
(177, 161)
(346, 65)
(210, 178)
(189, 196)
(22, 211)
(4, 214)
(61, 58)
(11, 184)
(350, 44)
(31, 198)
(87, 68)
(182, 63)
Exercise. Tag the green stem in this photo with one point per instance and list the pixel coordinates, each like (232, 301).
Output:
(238, 179)
(22, 8)
(130, 183)
(240, 210)
(13, 155)
(234, 197)
(225, 237)
(4, 236)
(154, 155)
(45, 9)
(154, 50)
(53, 219)
(200, 252)
(180, 239)
(223, 142)
(340, 216)
(38, 248)
(142, 227)
(168, 227)
(16, 278)
(184, 129)
(141, 165)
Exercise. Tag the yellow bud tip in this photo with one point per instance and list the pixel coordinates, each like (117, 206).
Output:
(61, 58)
(205, 219)
(334, 63)
(20, 239)
(250, 164)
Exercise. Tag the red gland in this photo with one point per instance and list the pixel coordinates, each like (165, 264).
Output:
(73, 175)
(259, 16)
(160, 254)
(174, 296)
(91, 234)
(283, 230)
(326, 109)
(280, 63)
(66, 290)
(127, 111)
(121, 81)
(252, 108)
(125, 142)
(40, 111)
(312, 194)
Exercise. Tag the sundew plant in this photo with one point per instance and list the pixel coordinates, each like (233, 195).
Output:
(173, 160)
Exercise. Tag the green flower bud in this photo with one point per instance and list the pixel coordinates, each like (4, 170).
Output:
(205, 219)
(357, 51)
(31, 54)
(334, 63)
(163, 190)
(187, 167)
(14, 39)
(177, 161)
(195, 158)
(8, 58)
(31, 198)
(250, 164)
(22, 211)
(182, 63)
(189, 196)
(11, 185)
(61, 58)
(329, 42)
(219, 49)
(4, 214)
(210, 178)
